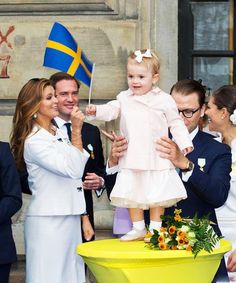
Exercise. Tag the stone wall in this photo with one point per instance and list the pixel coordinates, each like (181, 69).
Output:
(107, 31)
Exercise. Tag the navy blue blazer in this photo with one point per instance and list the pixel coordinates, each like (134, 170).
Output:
(207, 189)
(91, 135)
(10, 202)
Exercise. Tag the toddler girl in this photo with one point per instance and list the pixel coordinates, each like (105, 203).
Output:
(145, 180)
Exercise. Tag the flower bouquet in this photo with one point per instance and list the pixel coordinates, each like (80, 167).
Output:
(183, 234)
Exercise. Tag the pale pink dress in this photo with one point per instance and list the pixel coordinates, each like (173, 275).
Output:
(145, 179)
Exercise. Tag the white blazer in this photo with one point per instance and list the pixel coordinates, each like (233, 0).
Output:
(55, 169)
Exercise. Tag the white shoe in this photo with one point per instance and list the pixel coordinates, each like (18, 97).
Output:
(134, 235)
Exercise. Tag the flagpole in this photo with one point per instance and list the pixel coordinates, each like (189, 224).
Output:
(91, 83)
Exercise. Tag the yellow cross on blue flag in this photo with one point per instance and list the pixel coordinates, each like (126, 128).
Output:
(63, 53)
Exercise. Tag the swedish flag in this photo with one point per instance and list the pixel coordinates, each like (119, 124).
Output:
(63, 53)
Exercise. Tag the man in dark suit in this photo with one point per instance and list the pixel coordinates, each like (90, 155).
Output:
(205, 171)
(67, 91)
(10, 203)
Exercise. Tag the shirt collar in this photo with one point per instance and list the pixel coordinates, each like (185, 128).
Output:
(60, 122)
(193, 133)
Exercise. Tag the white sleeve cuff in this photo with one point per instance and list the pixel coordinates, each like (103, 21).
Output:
(187, 175)
(112, 170)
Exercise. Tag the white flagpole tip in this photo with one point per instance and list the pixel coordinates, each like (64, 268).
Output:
(90, 87)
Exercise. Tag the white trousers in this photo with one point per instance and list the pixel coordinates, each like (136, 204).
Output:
(50, 245)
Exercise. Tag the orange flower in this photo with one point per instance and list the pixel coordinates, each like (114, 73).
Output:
(189, 248)
(163, 246)
(163, 229)
(186, 241)
(172, 229)
(181, 241)
(174, 247)
(181, 234)
(161, 239)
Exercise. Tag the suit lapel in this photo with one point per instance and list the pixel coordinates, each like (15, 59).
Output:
(198, 143)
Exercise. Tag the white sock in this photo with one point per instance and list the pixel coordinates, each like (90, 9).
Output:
(154, 225)
(139, 225)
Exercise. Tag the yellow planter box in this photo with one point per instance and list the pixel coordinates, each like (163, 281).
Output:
(113, 261)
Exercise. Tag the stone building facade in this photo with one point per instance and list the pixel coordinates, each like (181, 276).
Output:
(107, 31)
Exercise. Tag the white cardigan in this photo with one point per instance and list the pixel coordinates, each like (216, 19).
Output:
(55, 169)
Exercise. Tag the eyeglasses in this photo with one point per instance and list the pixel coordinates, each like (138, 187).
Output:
(188, 113)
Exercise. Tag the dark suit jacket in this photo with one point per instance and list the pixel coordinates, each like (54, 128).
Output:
(91, 135)
(10, 202)
(209, 189)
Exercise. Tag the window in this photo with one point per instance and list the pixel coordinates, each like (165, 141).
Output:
(207, 48)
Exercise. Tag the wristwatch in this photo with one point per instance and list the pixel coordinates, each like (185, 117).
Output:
(189, 166)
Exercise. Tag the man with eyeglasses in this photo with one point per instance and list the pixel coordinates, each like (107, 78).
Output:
(205, 171)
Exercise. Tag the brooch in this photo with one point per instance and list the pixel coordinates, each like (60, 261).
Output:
(201, 163)
(90, 147)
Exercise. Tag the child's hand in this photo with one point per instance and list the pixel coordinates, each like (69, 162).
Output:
(91, 110)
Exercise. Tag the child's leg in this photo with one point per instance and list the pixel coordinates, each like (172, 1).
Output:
(155, 219)
(138, 231)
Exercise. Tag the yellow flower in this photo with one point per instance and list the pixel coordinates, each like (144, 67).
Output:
(178, 218)
(177, 211)
(148, 234)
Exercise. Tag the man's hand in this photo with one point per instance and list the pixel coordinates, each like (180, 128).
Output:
(88, 231)
(169, 150)
(92, 182)
(231, 263)
(118, 149)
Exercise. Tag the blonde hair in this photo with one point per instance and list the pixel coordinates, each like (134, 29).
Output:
(151, 62)
(27, 105)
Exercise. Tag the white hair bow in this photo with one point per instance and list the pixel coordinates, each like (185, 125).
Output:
(233, 117)
(139, 55)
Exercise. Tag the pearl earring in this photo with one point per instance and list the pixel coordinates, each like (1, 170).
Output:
(35, 115)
